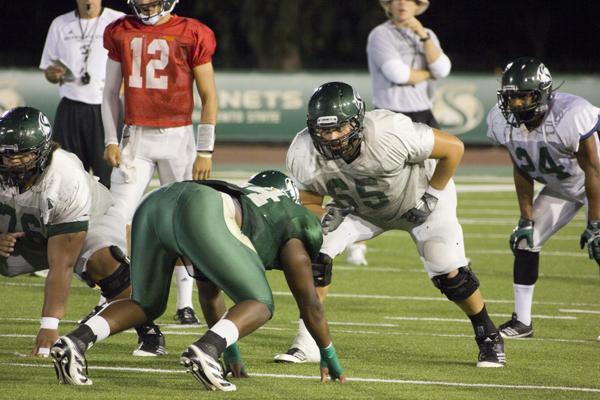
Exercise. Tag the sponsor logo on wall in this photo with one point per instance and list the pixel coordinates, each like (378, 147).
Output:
(457, 108)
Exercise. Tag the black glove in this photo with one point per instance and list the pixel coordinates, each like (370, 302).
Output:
(421, 211)
(333, 218)
(591, 238)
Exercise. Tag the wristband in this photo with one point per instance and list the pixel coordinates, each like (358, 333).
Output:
(204, 154)
(205, 138)
(49, 323)
(434, 192)
(232, 354)
(330, 360)
(426, 38)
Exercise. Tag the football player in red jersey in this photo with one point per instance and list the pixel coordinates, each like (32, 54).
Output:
(158, 56)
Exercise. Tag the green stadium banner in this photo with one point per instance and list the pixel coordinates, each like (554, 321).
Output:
(271, 107)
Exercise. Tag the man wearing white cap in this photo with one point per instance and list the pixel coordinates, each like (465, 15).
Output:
(403, 58)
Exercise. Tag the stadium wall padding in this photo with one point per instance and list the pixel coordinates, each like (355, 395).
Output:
(271, 107)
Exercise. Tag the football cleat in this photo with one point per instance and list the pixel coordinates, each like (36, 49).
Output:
(69, 363)
(186, 316)
(297, 355)
(356, 254)
(491, 351)
(515, 328)
(151, 342)
(205, 369)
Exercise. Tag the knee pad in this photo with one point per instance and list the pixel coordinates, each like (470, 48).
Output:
(526, 267)
(322, 270)
(459, 287)
(116, 282)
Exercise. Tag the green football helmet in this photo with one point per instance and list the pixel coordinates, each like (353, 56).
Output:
(166, 6)
(277, 180)
(523, 77)
(331, 106)
(24, 130)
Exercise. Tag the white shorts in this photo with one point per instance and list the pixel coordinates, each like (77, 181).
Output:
(439, 240)
(550, 213)
(170, 151)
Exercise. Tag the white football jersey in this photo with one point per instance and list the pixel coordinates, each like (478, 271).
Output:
(65, 199)
(548, 153)
(391, 173)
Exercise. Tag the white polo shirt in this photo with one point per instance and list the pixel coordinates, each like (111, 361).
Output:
(68, 40)
(392, 53)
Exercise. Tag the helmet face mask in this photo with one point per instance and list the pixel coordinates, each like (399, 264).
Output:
(277, 180)
(25, 147)
(526, 91)
(151, 12)
(336, 106)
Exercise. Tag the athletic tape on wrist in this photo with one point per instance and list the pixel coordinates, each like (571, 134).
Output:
(434, 192)
(205, 138)
(49, 323)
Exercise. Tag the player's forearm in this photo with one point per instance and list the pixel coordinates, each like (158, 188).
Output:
(592, 191)
(524, 190)
(449, 151)
(209, 110)
(110, 102)
(56, 292)
(314, 319)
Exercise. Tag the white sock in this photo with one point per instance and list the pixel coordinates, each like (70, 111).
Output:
(523, 302)
(99, 326)
(226, 329)
(303, 337)
(185, 287)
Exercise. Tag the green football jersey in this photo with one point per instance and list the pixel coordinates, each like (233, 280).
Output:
(270, 219)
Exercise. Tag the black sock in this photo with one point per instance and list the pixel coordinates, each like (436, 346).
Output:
(212, 344)
(482, 324)
(83, 337)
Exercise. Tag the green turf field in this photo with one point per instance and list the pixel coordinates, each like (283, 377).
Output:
(396, 336)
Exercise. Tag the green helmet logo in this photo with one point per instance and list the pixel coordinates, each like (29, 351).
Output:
(277, 180)
(336, 106)
(526, 78)
(24, 131)
(140, 10)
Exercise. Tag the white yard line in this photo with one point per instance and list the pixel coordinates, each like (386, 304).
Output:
(592, 312)
(351, 379)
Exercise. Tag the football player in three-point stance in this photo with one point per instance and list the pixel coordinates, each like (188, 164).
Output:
(232, 235)
(552, 139)
(385, 172)
(50, 213)
(158, 56)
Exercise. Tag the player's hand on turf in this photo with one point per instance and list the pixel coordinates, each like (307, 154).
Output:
(326, 376)
(422, 210)
(202, 168)
(236, 370)
(8, 242)
(330, 365)
(523, 231)
(591, 238)
(234, 366)
(333, 217)
(112, 155)
(45, 339)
